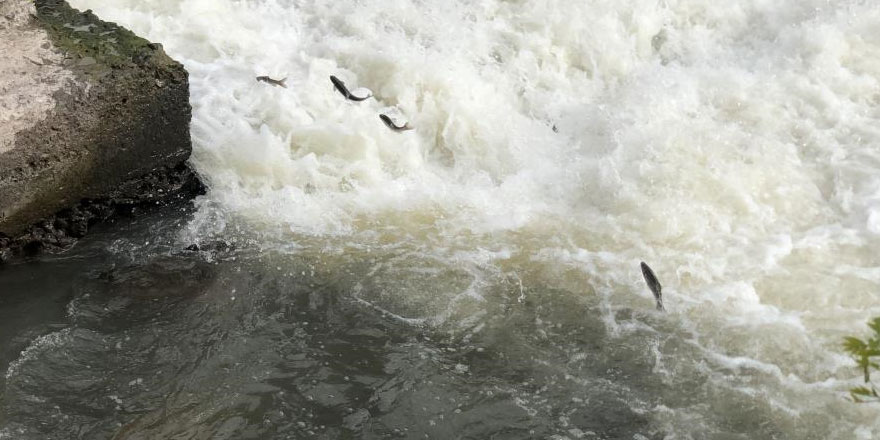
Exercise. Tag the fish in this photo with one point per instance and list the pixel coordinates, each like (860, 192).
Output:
(394, 124)
(358, 94)
(274, 82)
(653, 284)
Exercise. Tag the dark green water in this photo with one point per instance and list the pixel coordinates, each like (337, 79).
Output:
(131, 336)
(118, 338)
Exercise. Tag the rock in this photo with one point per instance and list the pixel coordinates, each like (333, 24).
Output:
(357, 420)
(5, 252)
(92, 117)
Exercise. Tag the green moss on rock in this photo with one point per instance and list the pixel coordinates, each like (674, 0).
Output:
(84, 34)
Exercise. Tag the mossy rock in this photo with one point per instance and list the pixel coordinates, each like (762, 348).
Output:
(121, 122)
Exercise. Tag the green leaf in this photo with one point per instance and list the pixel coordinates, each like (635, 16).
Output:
(865, 353)
(863, 394)
(854, 345)
(862, 391)
(874, 324)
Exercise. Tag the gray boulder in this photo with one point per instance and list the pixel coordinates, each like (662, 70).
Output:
(91, 117)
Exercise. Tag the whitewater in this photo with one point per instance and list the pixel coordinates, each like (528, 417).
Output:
(733, 146)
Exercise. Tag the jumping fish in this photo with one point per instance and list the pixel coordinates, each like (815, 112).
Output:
(394, 123)
(653, 284)
(274, 82)
(358, 94)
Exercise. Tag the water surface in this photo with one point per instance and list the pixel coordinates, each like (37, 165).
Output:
(478, 276)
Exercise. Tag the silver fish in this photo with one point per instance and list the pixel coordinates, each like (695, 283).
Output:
(358, 94)
(653, 284)
(394, 124)
(274, 82)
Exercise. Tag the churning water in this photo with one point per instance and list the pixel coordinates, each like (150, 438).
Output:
(478, 276)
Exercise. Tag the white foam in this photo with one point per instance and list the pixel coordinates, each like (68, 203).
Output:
(32, 352)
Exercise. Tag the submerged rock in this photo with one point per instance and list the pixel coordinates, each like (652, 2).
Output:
(94, 118)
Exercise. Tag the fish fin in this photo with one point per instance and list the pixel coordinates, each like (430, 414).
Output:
(282, 82)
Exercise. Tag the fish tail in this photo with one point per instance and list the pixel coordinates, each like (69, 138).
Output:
(283, 82)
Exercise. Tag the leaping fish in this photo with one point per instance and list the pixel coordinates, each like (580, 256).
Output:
(395, 123)
(274, 82)
(653, 284)
(358, 94)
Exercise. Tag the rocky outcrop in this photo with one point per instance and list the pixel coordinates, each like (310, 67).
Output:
(93, 116)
